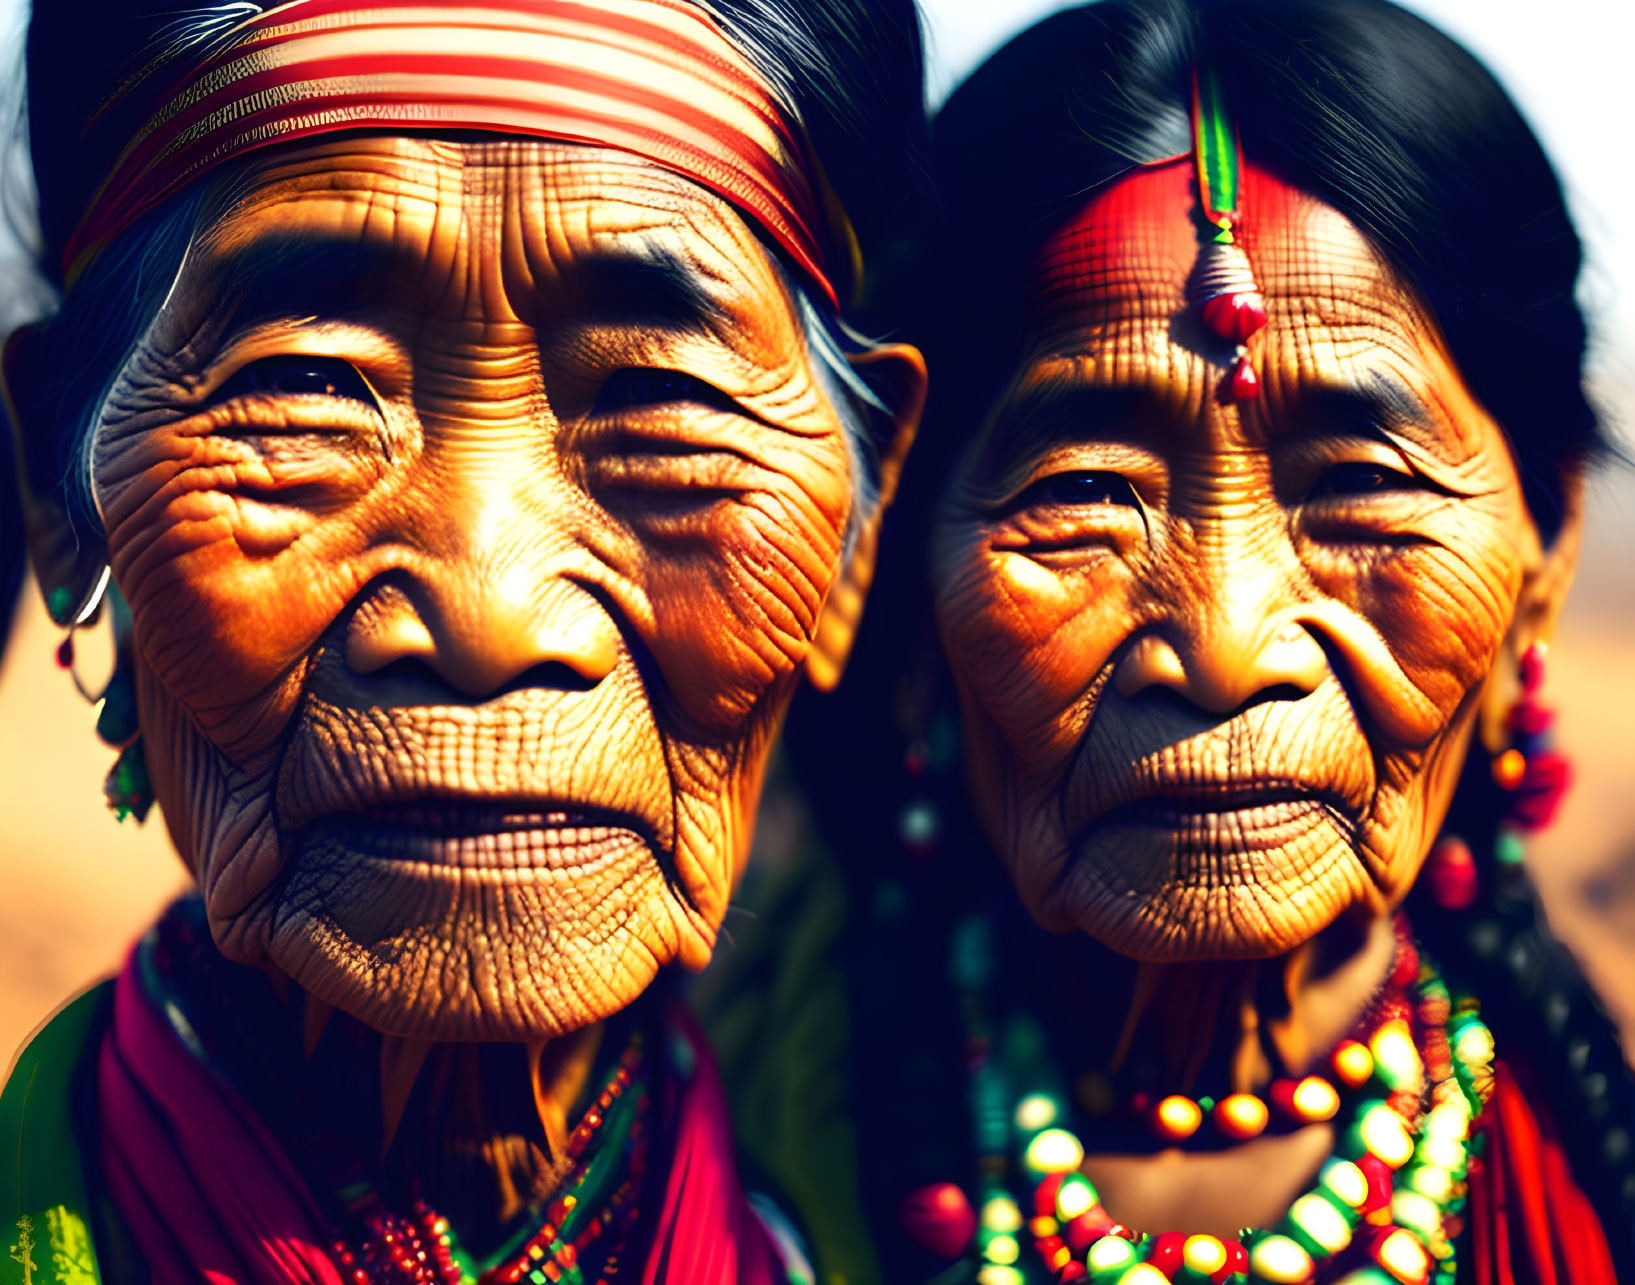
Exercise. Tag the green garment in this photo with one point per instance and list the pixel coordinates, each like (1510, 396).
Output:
(47, 1223)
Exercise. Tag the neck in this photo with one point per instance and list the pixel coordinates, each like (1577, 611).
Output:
(1213, 1027)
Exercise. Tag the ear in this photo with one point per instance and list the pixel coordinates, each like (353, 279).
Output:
(1545, 581)
(896, 373)
(69, 563)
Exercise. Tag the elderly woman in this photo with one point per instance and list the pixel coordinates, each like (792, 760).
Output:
(455, 412)
(1263, 441)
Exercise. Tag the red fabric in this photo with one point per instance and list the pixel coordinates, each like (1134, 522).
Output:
(207, 1192)
(1530, 1222)
(655, 78)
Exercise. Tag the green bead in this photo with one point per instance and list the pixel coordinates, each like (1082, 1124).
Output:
(1317, 1226)
(1419, 1214)
(1508, 849)
(1369, 1275)
(116, 714)
(1109, 1257)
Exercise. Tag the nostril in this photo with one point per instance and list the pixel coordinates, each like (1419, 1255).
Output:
(553, 675)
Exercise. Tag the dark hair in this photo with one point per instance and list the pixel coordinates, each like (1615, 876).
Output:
(851, 70)
(1401, 130)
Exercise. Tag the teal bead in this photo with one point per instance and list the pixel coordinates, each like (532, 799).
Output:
(1508, 849)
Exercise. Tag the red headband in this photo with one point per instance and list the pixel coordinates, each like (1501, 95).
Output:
(655, 78)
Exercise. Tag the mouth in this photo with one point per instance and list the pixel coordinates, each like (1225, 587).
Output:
(472, 834)
(1212, 805)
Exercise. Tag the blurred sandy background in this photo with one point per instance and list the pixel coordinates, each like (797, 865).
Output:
(75, 888)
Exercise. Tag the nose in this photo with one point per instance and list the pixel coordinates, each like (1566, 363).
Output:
(483, 634)
(1241, 642)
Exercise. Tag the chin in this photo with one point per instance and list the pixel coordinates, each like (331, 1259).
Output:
(501, 946)
(1212, 891)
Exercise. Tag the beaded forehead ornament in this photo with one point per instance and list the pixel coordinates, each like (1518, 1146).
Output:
(655, 78)
(1222, 286)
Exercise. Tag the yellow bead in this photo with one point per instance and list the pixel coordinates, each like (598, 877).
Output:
(1109, 1254)
(1042, 1226)
(1143, 1274)
(999, 1213)
(995, 1274)
(1240, 1116)
(1054, 1151)
(1403, 1257)
(1203, 1254)
(1353, 1063)
(1385, 1136)
(1509, 768)
(1002, 1250)
(1396, 1060)
(1074, 1197)
(1314, 1099)
(1321, 1222)
(1432, 1181)
(1177, 1117)
(1346, 1181)
(1279, 1261)
(1035, 1112)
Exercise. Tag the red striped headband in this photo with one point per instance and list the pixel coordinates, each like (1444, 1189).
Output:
(656, 78)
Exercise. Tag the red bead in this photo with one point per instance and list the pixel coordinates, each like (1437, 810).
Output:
(1530, 669)
(1166, 1253)
(1245, 382)
(939, 1218)
(1044, 1195)
(1087, 1229)
(1452, 874)
(1378, 1174)
(1235, 316)
(1119, 1229)
(1538, 795)
(1072, 1271)
(1405, 972)
(65, 653)
(1237, 1263)
(1048, 1245)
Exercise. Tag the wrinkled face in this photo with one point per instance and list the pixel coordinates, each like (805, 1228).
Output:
(1219, 661)
(476, 503)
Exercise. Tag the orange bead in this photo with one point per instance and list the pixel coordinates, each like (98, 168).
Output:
(1353, 1063)
(1308, 1101)
(1509, 768)
(1177, 1117)
(1240, 1116)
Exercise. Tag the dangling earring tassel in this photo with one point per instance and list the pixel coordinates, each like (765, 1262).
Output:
(1533, 776)
(128, 790)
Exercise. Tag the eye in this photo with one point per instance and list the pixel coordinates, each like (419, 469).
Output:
(1360, 478)
(1080, 488)
(298, 376)
(641, 386)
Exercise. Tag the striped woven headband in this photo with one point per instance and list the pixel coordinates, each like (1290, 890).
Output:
(656, 78)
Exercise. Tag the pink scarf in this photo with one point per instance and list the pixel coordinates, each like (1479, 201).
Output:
(206, 1191)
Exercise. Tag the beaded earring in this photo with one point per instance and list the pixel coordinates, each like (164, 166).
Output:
(126, 787)
(1532, 779)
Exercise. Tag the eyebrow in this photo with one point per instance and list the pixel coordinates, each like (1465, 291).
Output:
(646, 286)
(1060, 408)
(1375, 406)
(630, 285)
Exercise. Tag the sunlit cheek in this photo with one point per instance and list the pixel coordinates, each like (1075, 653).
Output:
(736, 603)
(223, 630)
(1026, 641)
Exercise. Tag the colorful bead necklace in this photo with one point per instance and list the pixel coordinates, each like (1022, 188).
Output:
(595, 1211)
(1386, 1207)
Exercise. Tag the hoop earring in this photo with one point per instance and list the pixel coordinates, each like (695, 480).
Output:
(127, 787)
